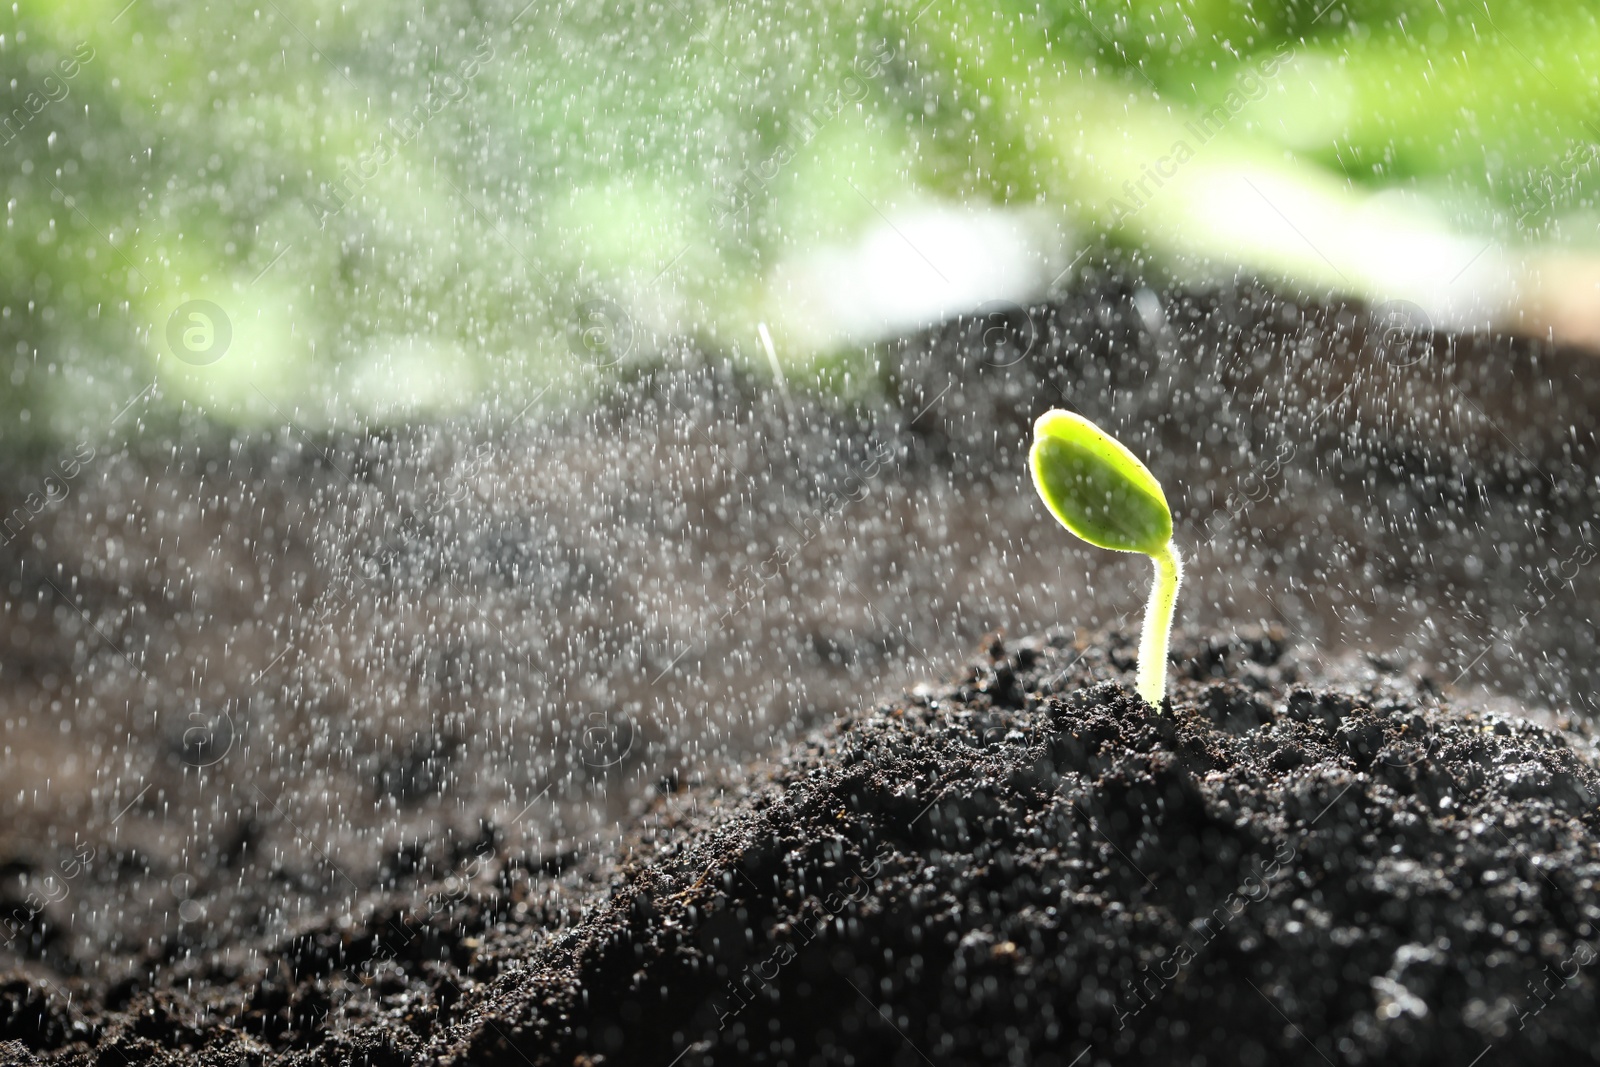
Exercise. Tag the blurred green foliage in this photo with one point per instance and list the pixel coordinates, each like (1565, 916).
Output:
(405, 208)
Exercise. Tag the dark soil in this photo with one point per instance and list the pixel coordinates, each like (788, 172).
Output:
(380, 747)
(1292, 864)
(222, 646)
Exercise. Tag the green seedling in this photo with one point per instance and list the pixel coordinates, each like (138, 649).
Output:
(1100, 491)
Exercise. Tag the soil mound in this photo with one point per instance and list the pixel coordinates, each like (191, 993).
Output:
(1292, 864)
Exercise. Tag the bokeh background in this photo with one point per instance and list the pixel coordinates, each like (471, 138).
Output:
(400, 209)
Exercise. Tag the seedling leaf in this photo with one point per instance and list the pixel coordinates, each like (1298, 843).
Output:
(1100, 491)
(1096, 488)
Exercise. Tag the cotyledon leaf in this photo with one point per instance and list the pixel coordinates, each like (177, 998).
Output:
(1096, 488)
(1100, 491)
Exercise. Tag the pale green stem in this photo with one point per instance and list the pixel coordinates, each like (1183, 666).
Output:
(1158, 624)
